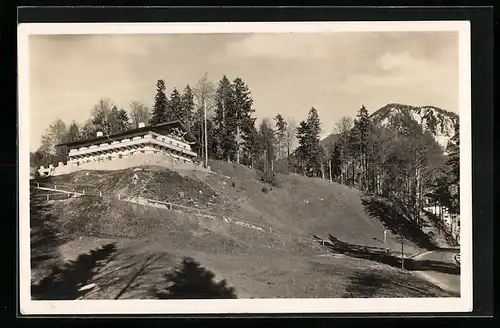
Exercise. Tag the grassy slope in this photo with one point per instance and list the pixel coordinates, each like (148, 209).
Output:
(307, 206)
(257, 264)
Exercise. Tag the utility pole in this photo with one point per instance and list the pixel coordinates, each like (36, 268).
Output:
(206, 138)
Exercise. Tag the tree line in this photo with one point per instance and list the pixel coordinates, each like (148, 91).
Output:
(399, 160)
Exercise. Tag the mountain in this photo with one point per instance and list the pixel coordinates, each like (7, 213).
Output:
(439, 122)
(329, 140)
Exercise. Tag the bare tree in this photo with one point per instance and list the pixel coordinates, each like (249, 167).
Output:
(344, 125)
(55, 134)
(101, 115)
(204, 92)
(290, 135)
(139, 113)
(342, 129)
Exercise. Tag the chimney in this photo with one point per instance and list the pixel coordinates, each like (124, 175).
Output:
(141, 124)
(99, 133)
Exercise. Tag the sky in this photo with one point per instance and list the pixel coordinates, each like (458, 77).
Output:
(336, 72)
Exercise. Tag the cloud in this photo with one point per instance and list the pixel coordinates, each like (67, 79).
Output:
(281, 46)
(398, 61)
(403, 70)
(287, 73)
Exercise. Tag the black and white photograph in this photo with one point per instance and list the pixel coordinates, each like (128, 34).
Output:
(245, 167)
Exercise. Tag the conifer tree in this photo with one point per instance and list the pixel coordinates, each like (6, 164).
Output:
(174, 107)
(309, 150)
(361, 143)
(159, 114)
(114, 123)
(243, 116)
(225, 120)
(73, 132)
(280, 134)
(123, 120)
(188, 115)
(267, 142)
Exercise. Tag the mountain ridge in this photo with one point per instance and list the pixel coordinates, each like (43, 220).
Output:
(442, 124)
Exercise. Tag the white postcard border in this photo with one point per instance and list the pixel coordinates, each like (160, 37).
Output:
(263, 306)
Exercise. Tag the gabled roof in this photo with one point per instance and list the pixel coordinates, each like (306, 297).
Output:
(176, 123)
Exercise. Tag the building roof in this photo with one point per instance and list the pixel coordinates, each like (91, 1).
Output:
(176, 123)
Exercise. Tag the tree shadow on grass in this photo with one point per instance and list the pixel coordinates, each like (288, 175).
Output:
(382, 256)
(365, 285)
(134, 282)
(45, 237)
(65, 283)
(396, 221)
(190, 280)
(373, 284)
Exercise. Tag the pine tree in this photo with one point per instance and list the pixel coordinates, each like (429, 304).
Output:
(73, 132)
(309, 150)
(225, 120)
(361, 143)
(242, 115)
(255, 146)
(447, 183)
(114, 121)
(174, 107)
(159, 114)
(188, 115)
(88, 130)
(280, 133)
(453, 165)
(123, 120)
(336, 161)
(249, 141)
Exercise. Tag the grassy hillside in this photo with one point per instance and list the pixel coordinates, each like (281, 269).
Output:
(143, 243)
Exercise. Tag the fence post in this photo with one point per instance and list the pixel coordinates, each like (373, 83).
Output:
(55, 187)
(48, 197)
(83, 192)
(100, 193)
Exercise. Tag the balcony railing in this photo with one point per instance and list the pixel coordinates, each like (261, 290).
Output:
(142, 140)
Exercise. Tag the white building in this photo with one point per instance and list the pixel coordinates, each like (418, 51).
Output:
(166, 144)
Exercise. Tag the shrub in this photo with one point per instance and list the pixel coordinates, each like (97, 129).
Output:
(269, 178)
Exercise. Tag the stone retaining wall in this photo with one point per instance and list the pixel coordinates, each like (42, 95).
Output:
(120, 164)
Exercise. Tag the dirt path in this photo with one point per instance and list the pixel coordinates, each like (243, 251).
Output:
(440, 268)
